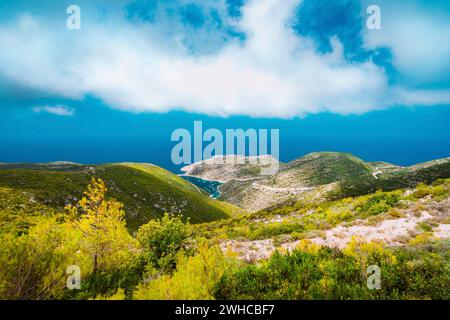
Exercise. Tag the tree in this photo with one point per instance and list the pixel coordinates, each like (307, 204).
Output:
(104, 236)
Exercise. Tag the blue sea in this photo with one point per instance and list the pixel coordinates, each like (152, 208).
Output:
(99, 134)
(212, 187)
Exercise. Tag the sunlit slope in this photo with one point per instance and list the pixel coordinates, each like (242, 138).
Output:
(321, 168)
(393, 177)
(324, 175)
(147, 191)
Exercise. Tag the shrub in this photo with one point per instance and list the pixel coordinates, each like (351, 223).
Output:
(421, 238)
(332, 274)
(119, 295)
(425, 227)
(194, 277)
(161, 241)
(422, 190)
(110, 285)
(33, 265)
(264, 231)
(335, 218)
(438, 191)
(379, 203)
(92, 236)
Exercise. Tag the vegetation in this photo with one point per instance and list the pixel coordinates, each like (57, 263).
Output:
(195, 277)
(334, 274)
(123, 256)
(323, 176)
(320, 168)
(146, 191)
(299, 219)
(402, 178)
(162, 241)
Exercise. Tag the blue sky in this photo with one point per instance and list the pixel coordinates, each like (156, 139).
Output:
(114, 90)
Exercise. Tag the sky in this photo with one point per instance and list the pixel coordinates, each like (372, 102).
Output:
(136, 70)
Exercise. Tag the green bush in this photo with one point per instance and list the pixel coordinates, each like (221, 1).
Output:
(33, 265)
(194, 277)
(422, 190)
(161, 241)
(264, 231)
(332, 274)
(379, 203)
(105, 284)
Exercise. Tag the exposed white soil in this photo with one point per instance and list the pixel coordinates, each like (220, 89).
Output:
(250, 250)
(277, 218)
(388, 232)
(442, 231)
(392, 232)
(274, 190)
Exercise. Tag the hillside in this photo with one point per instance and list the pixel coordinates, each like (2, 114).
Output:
(398, 218)
(227, 168)
(319, 175)
(310, 248)
(147, 191)
(389, 177)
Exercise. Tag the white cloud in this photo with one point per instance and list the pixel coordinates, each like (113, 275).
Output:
(59, 110)
(419, 38)
(273, 73)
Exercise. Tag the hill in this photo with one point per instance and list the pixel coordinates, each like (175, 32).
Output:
(294, 250)
(389, 177)
(147, 191)
(319, 175)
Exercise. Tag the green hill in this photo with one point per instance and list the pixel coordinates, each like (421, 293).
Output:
(324, 175)
(19, 210)
(321, 168)
(394, 177)
(147, 191)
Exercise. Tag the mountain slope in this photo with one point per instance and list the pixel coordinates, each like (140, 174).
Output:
(227, 168)
(394, 177)
(318, 175)
(147, 191)
(309, 176)
(320, 168)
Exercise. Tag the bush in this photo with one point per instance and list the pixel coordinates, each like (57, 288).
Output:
(194, 277)
(100, 230)
(111, 285)
(438, 191)
(33, 265)
(264, 231)
(422, 190)
(161, 241)
(379, 203)
(333, 274)
(92, 236)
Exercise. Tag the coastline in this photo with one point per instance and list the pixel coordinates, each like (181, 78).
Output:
(194, 176)
(214, 195)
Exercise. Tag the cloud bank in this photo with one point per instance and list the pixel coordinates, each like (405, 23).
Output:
(273, 72)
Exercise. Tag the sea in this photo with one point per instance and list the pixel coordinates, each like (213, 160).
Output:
(212, 187)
